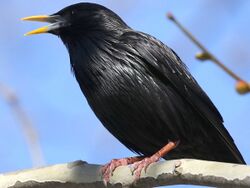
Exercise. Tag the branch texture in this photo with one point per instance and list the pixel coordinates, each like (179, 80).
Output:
(80, 174)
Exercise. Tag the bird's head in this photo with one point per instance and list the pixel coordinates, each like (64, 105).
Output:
(79, 20)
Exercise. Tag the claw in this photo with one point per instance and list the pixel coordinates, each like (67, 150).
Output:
(144, 164)
(108, 169)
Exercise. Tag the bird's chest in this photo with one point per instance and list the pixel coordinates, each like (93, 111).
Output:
(109, 80)
(119, 92)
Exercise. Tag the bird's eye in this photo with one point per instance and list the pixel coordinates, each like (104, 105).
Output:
(72, 12)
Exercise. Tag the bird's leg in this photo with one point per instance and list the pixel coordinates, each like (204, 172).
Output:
(139, 162)
(138, 166)
(108, 169)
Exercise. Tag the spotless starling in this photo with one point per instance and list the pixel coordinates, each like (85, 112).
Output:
(139, 89)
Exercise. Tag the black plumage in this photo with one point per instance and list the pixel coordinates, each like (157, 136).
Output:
(140, 89)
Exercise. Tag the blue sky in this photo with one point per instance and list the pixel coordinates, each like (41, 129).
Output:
(38, 69)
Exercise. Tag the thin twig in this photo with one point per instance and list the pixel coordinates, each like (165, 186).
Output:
(26, 124)
(242, 86)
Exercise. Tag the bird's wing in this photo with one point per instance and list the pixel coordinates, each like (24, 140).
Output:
(168, 67)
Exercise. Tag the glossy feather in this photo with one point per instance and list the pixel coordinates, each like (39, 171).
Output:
(140, 89)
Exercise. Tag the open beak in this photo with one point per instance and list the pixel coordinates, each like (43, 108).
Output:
(55, 21)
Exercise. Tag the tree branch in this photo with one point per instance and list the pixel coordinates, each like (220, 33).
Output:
(29, 130)
(80, 174)
(242, 86)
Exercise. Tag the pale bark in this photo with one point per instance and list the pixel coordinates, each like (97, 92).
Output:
(80, 174)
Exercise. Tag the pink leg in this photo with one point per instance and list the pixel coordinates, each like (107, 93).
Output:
(139, 165)
(108, 169)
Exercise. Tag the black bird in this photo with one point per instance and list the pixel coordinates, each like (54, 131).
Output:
(139, 88)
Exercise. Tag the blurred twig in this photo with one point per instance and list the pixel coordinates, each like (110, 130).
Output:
(26, 124)
(242, 86)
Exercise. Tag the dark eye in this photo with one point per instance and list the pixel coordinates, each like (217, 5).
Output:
(72, 12)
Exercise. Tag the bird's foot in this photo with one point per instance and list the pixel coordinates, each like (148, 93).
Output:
(139, 163)
(108, 169)
(143, 164)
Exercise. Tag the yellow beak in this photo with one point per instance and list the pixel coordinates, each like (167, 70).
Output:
(54, 20)
(39, 18)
